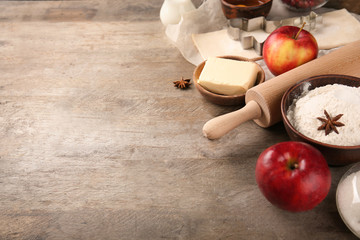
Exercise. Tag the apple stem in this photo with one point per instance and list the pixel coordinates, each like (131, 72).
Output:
(296, 166)
(297, 35)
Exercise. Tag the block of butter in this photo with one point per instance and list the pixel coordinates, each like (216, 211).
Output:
(227, 76)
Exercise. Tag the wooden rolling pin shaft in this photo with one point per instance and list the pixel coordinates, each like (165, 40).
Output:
(264, 99)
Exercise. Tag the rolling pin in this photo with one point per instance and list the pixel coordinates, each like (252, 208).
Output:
(263, 101)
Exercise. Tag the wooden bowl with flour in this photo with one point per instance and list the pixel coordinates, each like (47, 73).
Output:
(307, 121)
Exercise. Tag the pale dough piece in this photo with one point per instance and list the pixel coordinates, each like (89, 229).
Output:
(338, 28)
(218, 43)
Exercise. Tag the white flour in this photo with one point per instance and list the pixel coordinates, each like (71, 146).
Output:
(335, 99)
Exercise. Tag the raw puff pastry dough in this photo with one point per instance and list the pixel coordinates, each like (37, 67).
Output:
(337, 28)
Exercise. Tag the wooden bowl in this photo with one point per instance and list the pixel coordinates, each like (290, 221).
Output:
(334, 154)
(224, 100)
(245, 8)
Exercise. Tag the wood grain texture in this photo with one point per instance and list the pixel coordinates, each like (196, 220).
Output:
(96, 143)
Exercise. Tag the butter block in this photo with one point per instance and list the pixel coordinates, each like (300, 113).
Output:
(227, 76)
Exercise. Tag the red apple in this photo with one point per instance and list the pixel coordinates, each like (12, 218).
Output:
(293, 176)
(288, 47)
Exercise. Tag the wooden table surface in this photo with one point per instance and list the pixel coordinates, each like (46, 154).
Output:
(96, 143)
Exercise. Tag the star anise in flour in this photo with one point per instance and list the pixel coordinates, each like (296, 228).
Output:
(183, 83)
(330, 124)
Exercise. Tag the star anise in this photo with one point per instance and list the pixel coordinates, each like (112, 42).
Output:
(330, 124)
(183, 83)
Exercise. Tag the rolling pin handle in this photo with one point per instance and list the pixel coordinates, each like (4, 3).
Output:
(221, 125)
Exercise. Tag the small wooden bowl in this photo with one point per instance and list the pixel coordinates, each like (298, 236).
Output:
(245, 8)
(224, 100)
(334, 154)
